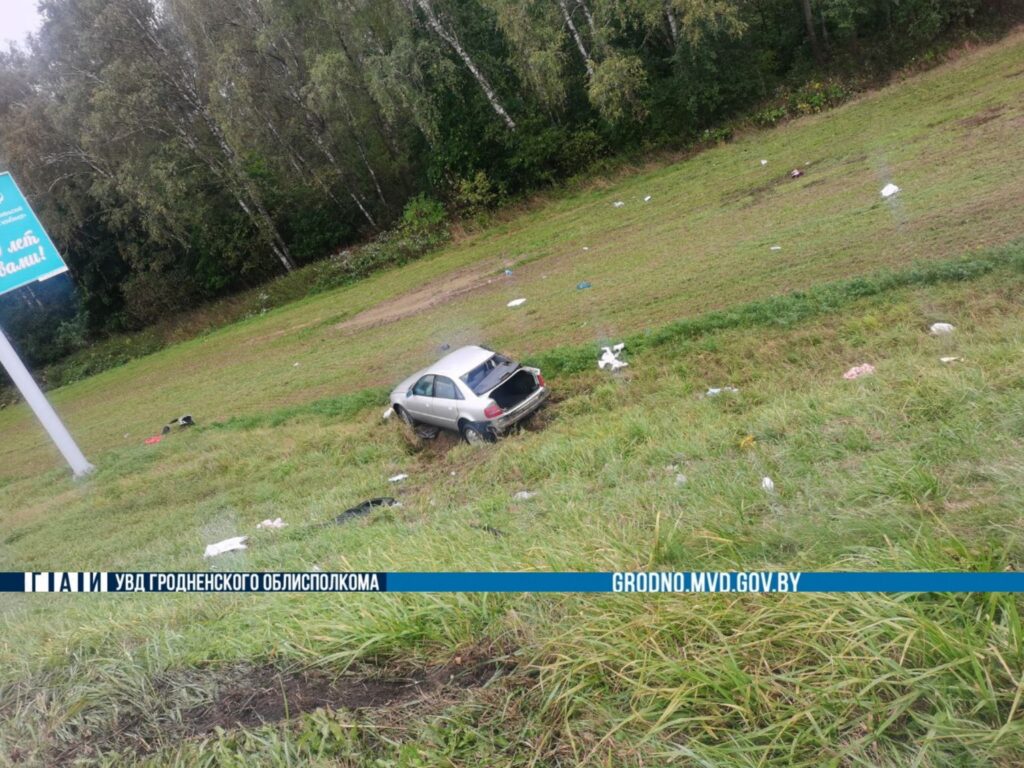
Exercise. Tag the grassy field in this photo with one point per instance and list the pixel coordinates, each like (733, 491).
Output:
(916, 467)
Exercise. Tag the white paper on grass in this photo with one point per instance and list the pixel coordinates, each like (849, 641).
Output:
(228, 545)
(889, 190)
(610, 358)
(767, 485)
(269, 524)
(647, 199)
(941, 329)
(618, 204)
(397, 478)
(524, 495)
(516, 302)
(715, 391)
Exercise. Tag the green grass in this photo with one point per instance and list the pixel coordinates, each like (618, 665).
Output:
(915, 468)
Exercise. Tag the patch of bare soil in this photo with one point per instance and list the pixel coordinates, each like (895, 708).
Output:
(980, 118)
(433, 294)
(246, 695)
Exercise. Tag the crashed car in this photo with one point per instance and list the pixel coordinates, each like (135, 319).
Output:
(473, 391)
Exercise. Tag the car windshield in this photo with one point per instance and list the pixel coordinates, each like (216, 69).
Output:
(490, 374)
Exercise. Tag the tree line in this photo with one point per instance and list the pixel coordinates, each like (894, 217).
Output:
(178, 150)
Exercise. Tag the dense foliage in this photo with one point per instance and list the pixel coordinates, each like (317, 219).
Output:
(178, 150)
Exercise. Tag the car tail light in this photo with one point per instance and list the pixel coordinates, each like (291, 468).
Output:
(540, 378)
(493, 411)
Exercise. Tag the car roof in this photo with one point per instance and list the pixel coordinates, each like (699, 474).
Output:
(461, 361)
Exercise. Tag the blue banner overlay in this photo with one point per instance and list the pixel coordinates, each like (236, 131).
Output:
(690, 582)
(26, 252)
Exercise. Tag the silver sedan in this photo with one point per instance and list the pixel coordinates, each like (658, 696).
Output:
(474, 391)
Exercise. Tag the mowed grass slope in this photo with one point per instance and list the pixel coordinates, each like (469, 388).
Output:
(949, 138)
(917, 467)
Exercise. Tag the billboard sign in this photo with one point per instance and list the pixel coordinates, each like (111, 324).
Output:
(26, 252)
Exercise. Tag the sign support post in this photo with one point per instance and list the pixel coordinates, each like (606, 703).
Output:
(28, 255)
(41, 406)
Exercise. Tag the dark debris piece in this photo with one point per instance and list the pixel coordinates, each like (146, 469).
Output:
(364, 509)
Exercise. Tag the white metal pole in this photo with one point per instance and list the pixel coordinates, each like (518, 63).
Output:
(44, 411)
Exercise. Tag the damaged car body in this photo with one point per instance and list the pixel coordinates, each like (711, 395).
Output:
(473, 391)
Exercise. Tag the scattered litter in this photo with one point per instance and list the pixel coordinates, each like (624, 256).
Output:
(364, 509)
(889, 190)
(941, 329)
(516, 302)
(747, 442)
(764, 162)
(767, 485)
(397, 478)
(647, 199)
(586, 247)
(859, 370)
(582, 286)
(610, 358)
(524, 495)
(228, 545)
(796, 173)
(295, 365)
(716, 391)
(275, 523)
(181, 422)
(680, 479)
(153, 440)
(949, 359)
(508, 273)
(618, 204)
(388, 413)
(776, 248)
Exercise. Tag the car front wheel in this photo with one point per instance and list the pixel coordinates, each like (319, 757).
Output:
(404, 416)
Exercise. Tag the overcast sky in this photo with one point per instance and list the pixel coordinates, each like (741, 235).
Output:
(17, 19)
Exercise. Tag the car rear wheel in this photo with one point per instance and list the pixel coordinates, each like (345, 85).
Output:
(474, 434)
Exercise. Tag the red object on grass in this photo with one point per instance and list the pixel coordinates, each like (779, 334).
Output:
(154, 440)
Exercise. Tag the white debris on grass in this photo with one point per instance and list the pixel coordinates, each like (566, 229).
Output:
(388, 413)
(889, 190)
(865, 369)
(647, 199)
(716, 391)
(680, 479)
(277, 522)
(228, 545)
(948, 360)
(516, 302)
(941, 329)
(610, 358)
(775, 248)
(586, 247)
(618, 204)
(397, 478)
(764, 162)
(767, 485)
(524, 495)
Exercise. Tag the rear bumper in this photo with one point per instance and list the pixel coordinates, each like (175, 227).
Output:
(520, 412)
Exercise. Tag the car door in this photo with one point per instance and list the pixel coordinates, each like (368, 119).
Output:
(420, 400)
(446, 402)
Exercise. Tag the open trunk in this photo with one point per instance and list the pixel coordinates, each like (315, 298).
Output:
(519, 386)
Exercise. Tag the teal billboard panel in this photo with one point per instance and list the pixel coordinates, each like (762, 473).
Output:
(26, 252)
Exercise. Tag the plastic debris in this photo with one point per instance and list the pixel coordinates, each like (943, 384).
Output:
(764, 162)
(364, 509)
(796, 173)
(775, 248)
(941, 329)
(618, 204)
(716, 391)
(948, 360)
(647, 199)
(582, 286)
(516, 302)
(508, 273)
(228, 545)
(397, 478)
(586, 247)
(610, 358)
(388, 413)
(866, 369)
(277, 522)
(524, 495)
(295, 365)
(889, 190)
(153, 440)
(767, 485)
(181, 422)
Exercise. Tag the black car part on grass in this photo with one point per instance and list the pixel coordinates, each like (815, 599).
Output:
(363, 509)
